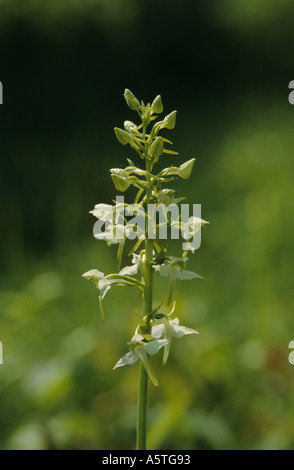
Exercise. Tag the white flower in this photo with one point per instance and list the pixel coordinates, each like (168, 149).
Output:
(123, 278)
(190, 228)
(170, 329)
(113, 234)
(108, 213)
(104, 212)
(132, 270)
(101, 283)
(170, 269)
(139, 349)
(174, 269)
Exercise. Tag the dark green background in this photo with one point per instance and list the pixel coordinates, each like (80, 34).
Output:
(225, 66)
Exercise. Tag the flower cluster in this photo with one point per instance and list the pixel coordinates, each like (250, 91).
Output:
(150, 255)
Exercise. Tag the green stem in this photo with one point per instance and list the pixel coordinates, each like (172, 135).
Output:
(142, 408)
(147, 308)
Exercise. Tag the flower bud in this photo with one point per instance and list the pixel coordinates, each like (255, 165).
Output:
(157, 106)
(122, 136)
(170, 120)
(146, 116)
(185, 169)
(131, 100)
(130, 127)
(165, 197)
(156, 149)
(120, 182)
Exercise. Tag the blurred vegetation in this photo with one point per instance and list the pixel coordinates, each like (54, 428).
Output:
(225, 66)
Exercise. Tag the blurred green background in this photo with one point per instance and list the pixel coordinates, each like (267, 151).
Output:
(225, 66)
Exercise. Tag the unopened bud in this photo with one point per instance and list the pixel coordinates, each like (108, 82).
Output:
(146, 116)
(185, 169)
(122, 136)
(131, 100)
(166, 197)
(156, 149)
(130, 127)
(157, 106)
(120, 182)
(170, 120)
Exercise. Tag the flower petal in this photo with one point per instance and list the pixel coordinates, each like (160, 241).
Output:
(154, 346)
(93, 274)
(165, 353)
(129, 270)
(104, 212)
(163, 269)
(179, 331)
(105, 289)
(157, 331)
(187, 275)
(127, 360)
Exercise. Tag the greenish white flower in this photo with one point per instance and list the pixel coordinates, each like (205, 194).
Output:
(107, 212)
(170, 329)
(101, 283)
(103, 212)
(123, 278)
(132, 270)
(140, 349)
(191, 227)
(114, 233)
(173, 268)
(176, 267)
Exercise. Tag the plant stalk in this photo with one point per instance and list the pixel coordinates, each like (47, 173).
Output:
(147, 308)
